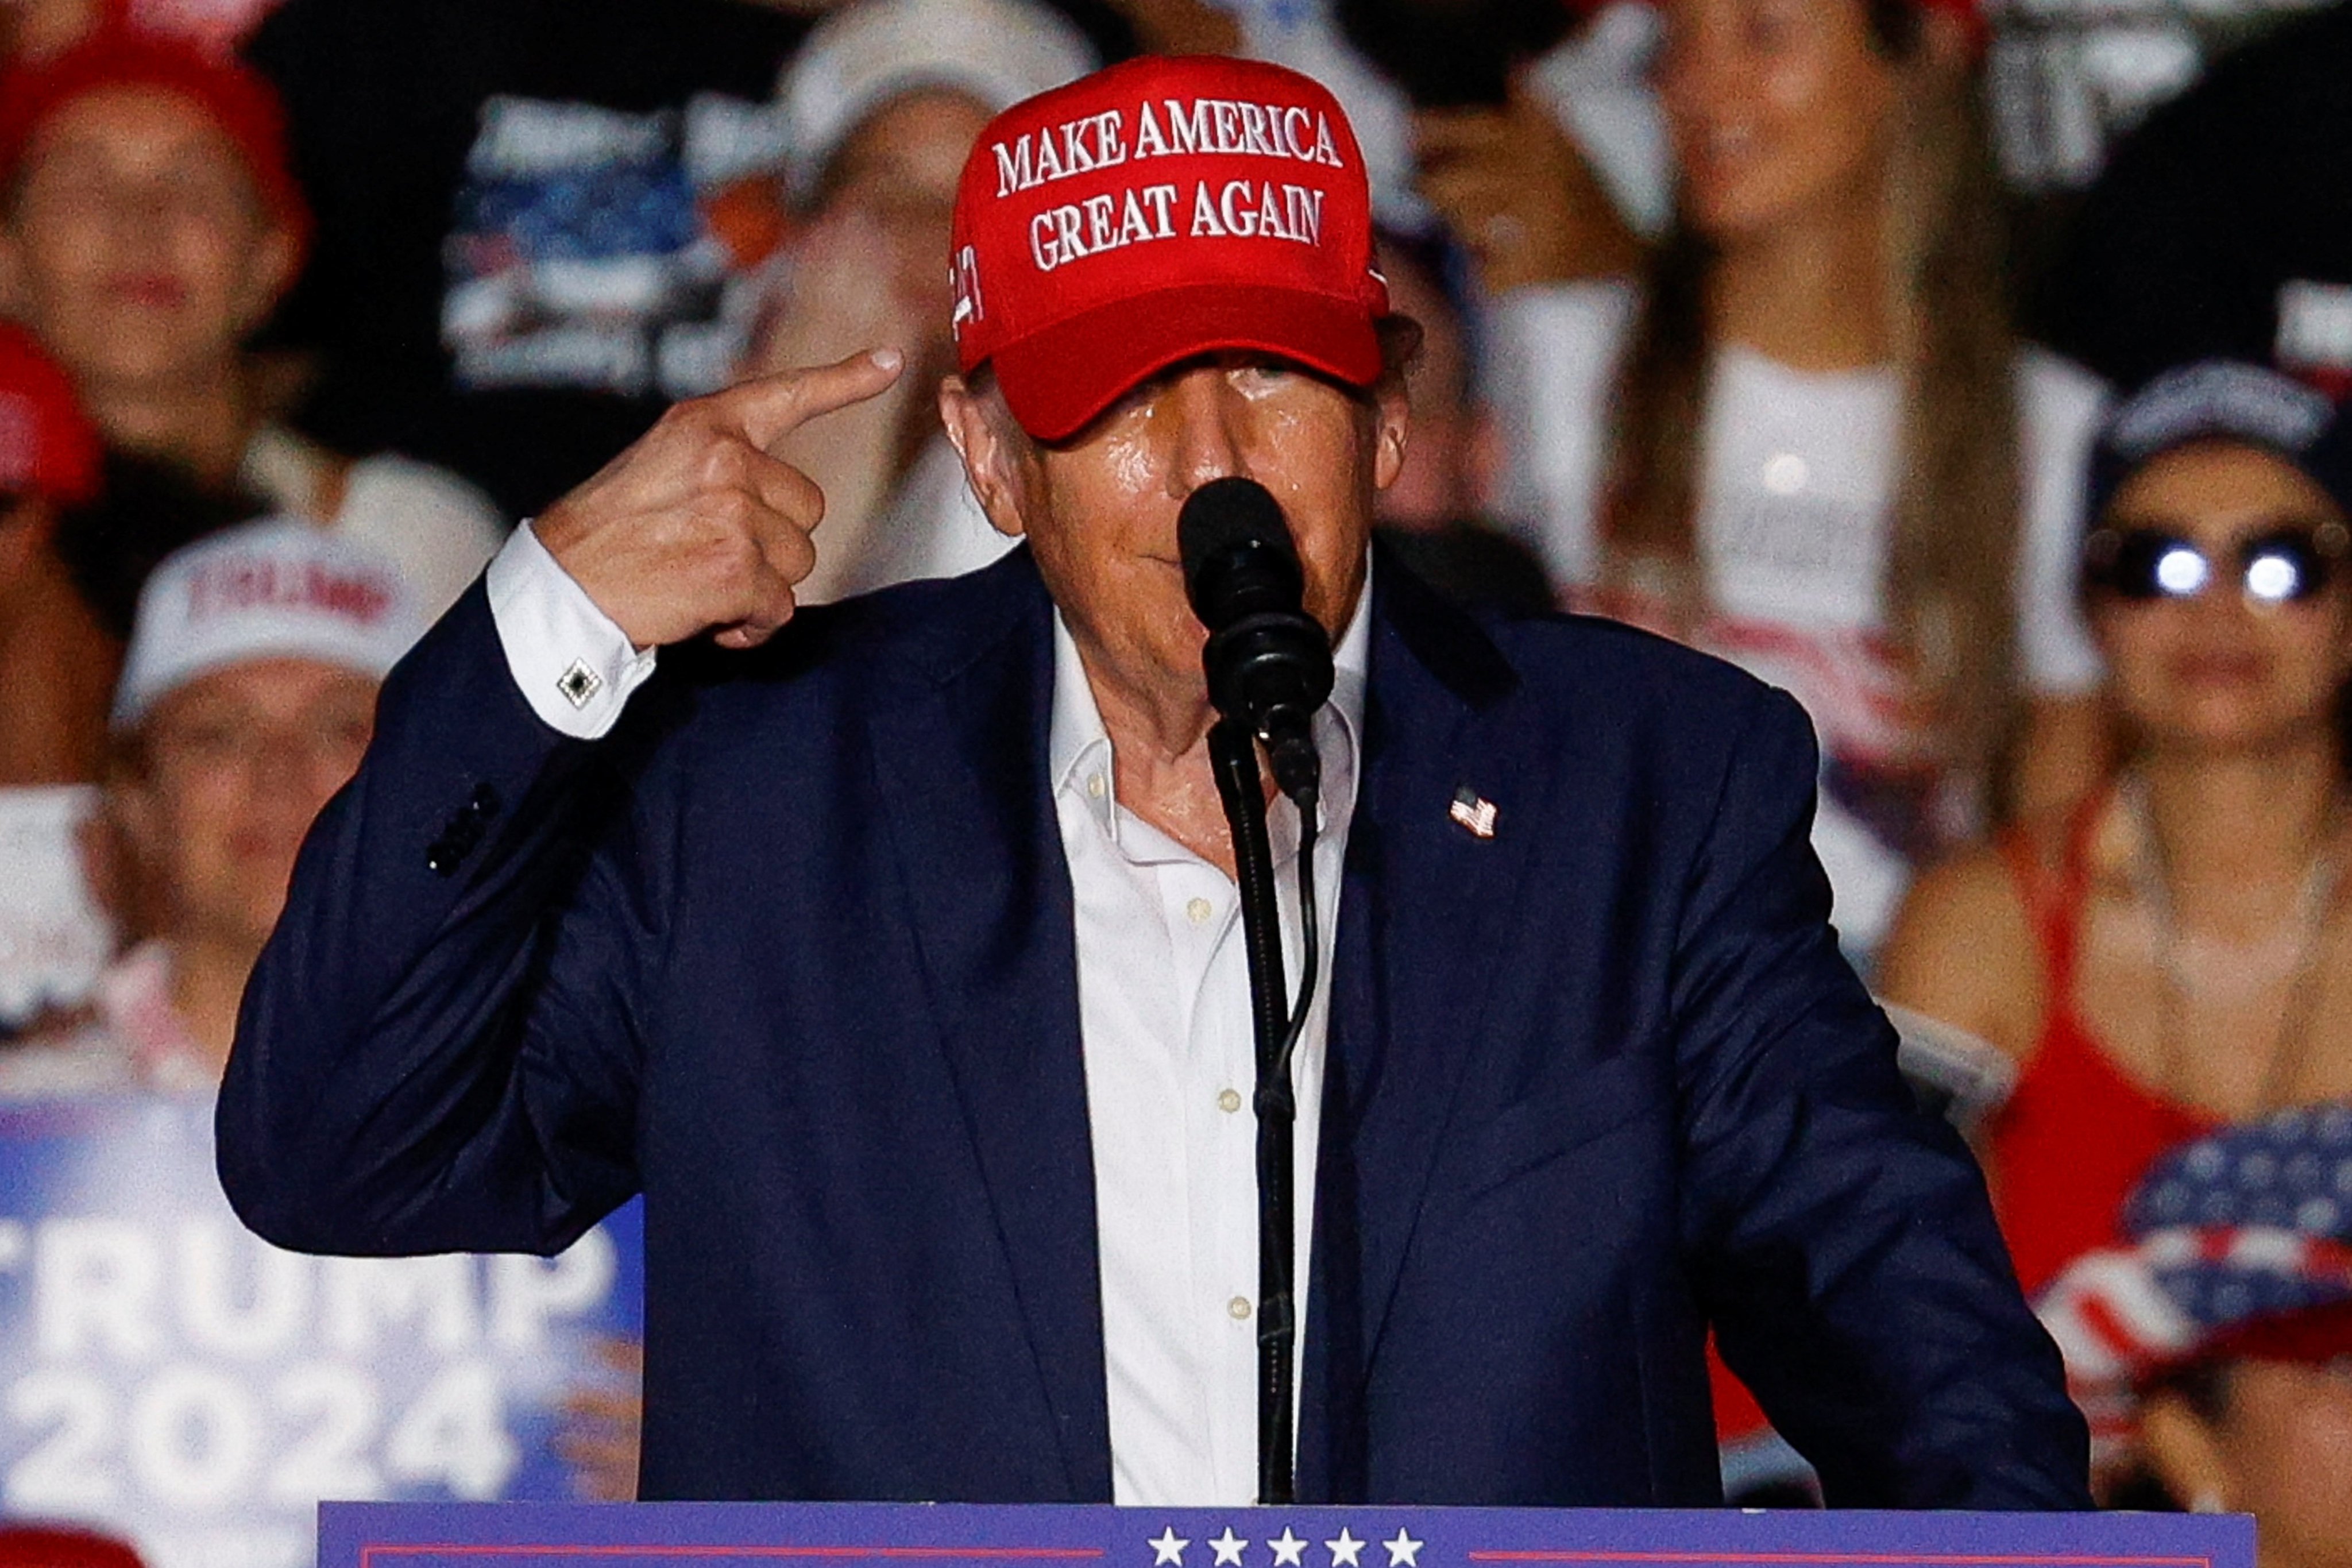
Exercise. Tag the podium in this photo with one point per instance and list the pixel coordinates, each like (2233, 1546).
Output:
(952, 1535)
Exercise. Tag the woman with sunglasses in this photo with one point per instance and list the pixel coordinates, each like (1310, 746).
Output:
(2172, 954)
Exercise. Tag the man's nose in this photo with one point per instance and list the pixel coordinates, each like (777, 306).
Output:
(1205, 415)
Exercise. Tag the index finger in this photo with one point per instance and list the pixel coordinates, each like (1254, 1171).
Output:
(768, 408)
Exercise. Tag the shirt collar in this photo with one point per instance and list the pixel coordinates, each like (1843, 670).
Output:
(1078, 750)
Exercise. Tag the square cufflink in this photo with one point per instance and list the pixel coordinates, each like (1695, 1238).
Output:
(579, 683)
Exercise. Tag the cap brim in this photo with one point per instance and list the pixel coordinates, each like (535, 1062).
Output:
(2311, 1335)
(146, 682)
(1057, 380)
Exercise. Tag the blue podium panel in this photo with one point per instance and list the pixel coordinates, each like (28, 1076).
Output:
(883, 1535)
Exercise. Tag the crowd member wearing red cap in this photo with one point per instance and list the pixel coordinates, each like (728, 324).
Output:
(898, 962)
(1807, 440)
(57, 668)
(2171, 954)
(152, 224)
(49, 461)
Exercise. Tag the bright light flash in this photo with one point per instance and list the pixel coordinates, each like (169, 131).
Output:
(2181, 571)
(2272, 578)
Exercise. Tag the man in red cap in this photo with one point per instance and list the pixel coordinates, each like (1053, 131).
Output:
(898, 964)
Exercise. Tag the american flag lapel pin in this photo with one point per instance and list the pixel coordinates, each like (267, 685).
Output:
(1474, 812)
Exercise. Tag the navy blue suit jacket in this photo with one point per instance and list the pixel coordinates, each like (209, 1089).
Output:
(792, 953)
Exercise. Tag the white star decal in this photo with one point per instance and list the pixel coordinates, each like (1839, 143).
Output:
(1286, 1550)
(1345, 1551)
(1168, 1548)
(1228, 1548)
(1402, 1551)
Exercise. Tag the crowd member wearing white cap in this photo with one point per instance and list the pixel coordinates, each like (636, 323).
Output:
(248, 695)
(881, 107)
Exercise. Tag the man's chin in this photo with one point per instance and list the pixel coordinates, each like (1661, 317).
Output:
(1334, 607)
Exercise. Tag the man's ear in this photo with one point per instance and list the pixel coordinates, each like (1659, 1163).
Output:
(1391, 424)
(992, 461)
(1392, 402)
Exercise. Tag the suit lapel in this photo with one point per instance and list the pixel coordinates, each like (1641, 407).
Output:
(961, 747)
(1423, 899)
(960, 750)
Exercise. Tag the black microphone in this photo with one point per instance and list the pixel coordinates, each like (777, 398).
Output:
(1268, 661)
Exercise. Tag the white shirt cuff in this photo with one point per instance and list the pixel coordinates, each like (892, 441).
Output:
(575, 667)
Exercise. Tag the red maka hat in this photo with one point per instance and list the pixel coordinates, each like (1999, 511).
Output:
(47, 445)
(1160, 209)
(239, 102)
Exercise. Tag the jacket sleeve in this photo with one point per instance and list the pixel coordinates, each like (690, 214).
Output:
(1842, 1241)
(439, 1050)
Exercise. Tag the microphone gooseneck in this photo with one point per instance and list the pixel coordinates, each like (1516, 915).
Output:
(1268, 661)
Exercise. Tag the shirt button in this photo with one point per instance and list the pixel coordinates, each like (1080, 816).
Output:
(1239, 1307)
(1094, 785)
(1199, 911)
(1229, 1100)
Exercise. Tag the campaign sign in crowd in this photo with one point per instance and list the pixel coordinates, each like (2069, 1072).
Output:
(172, 1375)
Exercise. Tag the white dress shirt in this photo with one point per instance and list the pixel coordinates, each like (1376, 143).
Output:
(1164, 1020)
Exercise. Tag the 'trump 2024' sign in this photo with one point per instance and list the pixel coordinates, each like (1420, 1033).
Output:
(165, 1373)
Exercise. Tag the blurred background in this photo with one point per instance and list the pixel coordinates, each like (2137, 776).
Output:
(1969, 368)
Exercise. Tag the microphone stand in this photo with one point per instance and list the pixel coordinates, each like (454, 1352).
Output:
(1233, 759)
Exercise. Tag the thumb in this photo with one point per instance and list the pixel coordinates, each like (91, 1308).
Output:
(770, 407)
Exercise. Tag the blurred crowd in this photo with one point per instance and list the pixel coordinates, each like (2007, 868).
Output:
(1975, 375)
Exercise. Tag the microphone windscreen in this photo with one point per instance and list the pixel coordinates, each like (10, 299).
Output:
(1226, 515)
